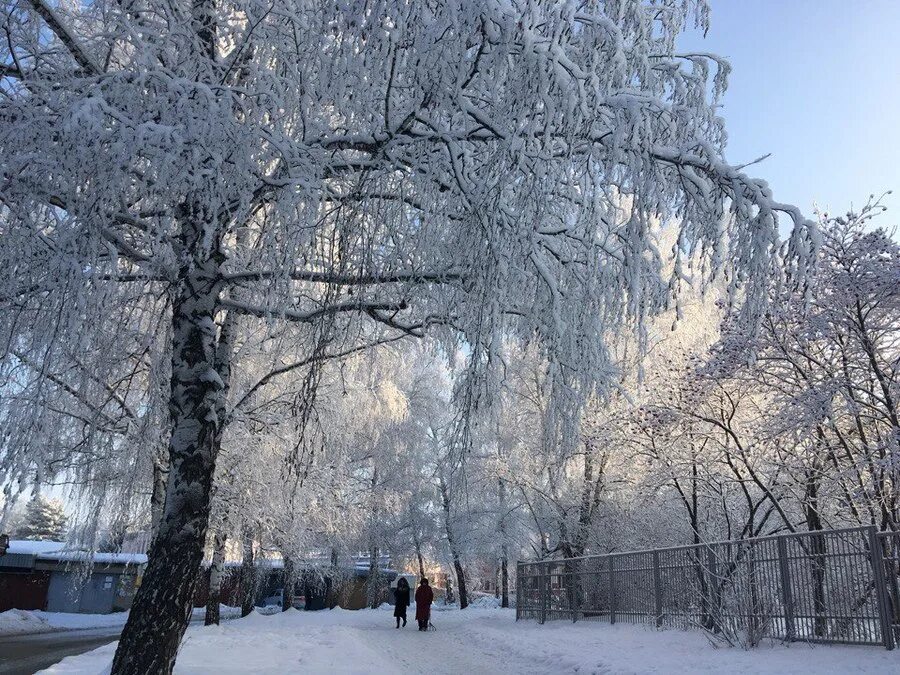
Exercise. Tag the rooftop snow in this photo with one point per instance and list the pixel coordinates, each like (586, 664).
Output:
(29, 547)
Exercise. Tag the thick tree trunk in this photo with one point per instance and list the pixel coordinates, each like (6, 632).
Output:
(372, 585)
(504, 547)
(248, 574)
(158, 496)
(454, 552)
(421, 558)
(331, 581)
(448, 590)
(817, 559)
(290, 579)
(162, 606)
(461, 582)
(214, 599)
(504, 578)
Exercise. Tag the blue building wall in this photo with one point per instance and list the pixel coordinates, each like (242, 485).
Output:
(67, 593)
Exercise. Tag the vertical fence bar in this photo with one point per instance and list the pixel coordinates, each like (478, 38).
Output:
(787, 597)
(714, 613)
(881, 599)
(657, 589)
(612, 590)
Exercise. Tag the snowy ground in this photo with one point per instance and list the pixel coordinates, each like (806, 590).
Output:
(25, 622)
(476, 641)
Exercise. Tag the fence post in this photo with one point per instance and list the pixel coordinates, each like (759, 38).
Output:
(572, 588)
(877, 557)
(612, 591)
(787, 597)
(545, 591)
(518, 588)
(657, 589)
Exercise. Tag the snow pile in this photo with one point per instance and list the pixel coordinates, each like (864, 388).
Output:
(475, 641)
(18, 621)
(69, 621)
(225, 612)
(485, 602)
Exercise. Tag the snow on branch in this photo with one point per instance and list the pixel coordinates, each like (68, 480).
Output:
(311, 315)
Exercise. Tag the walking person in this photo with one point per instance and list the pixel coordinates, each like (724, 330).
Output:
(424, 598)
(401, 600)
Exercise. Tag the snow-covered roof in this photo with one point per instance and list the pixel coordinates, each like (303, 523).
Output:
(29, 547)
(96, 558)
(57, 551)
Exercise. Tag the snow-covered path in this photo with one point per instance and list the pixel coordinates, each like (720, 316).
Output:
(476, 641)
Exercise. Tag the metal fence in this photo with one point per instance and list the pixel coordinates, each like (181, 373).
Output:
(837, 586)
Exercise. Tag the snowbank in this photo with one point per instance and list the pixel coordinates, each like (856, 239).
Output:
(19, 622)
(485, 602)
(476, 641)
(225, 612)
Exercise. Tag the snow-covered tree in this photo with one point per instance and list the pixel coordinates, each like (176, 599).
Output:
(44, 519)
(455, 166)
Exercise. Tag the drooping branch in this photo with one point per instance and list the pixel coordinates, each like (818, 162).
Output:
(295, 365)
(66, 36)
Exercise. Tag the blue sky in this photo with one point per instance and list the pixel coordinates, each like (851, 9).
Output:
(817, 84)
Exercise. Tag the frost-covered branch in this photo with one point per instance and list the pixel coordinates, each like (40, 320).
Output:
(311, 315)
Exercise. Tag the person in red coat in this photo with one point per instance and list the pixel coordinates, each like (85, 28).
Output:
(424, 598)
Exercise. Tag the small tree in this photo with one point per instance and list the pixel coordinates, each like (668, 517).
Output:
(44, 519)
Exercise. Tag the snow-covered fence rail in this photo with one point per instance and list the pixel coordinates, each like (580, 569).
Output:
(840, 586)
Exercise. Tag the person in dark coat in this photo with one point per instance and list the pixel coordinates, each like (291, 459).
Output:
(401, 600)
(424, 598)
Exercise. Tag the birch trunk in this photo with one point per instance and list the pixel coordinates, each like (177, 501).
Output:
(421, 558)
(454, 551)
(248, 576)
(290, 578)
(504, 548)
(163, 603)
(214, 599)
(373, 585)
(158, 496)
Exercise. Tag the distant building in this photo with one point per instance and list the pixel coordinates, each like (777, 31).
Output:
(47, 575)
(318, 584)
(21, 585)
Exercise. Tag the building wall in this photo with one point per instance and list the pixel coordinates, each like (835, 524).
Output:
(96, 595)
(230, 593)
(25, 589)
(126, 588)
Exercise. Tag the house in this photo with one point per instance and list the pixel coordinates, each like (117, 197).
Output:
(86, 583)
(22, 586)
(49, 575)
